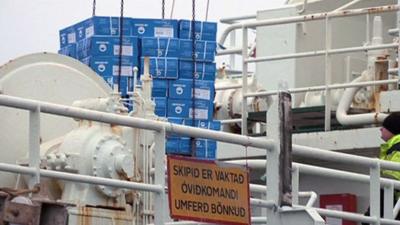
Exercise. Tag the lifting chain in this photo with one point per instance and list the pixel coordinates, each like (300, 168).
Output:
(163, 9)
(193, 34)
(94, 8)
(208, 6)
(121, 33)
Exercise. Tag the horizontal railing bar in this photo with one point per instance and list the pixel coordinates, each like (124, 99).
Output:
(231, 121)
(262, 203)
(321, 52)
(81, 178)
(230, 51)
(354, 216)
(331, 156)
(394, 71)
(305, 18)
(124, 120)
(231, 20)
(319, 171)
(324, 87)
(234, 86)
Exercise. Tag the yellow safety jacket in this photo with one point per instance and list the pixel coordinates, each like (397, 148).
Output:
(390, 151)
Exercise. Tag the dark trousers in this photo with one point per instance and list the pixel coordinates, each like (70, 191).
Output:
(367, 213)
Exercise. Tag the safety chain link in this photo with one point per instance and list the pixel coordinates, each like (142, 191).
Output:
(193, 34)
(163, 9)
(94, 8)
(121, 33)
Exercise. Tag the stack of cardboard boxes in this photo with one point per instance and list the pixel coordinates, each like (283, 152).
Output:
(169, 45)
(194, 108)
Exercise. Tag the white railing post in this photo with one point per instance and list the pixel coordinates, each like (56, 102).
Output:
(160, 211)
(34, 145)
(232, 57)
(328, 78)
(272, 167)
(374, 192)
(244, 80)
(295, 184)
(388, 201)
(398, 29)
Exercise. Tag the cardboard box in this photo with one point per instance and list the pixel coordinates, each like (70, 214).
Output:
(204, 148)
(179, 108)
(206, 31)
(109, 65)
(204, 89)
(180, 89)
(160, 47)
(69, 50)
(184, 109)
(102, 25)
(178, 146)
(107, 46)
(160, 88)
(204, 110)
(208, 124)
(161, 106)
(154, 28)
(205, 50)
(67, 36)
(162, 67)
(204, 70)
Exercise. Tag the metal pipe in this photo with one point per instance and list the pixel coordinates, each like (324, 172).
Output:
(322, 52)
(231, 121)
(235, 86)
(320, 171)
(231, 20)
(313, 197)
(235, 72)
(232, 57)
(396, 208)
(244, 80)
(394, 31)
(347, 216)
(328, 74)
(331, 156)
(82, 178)
(393, 71)
(310, 17)
(86, 114)
(262, 203)
(323, 87)
(34, 145)
(351, 216)
(263, 189)
(345, 6)
(259, 219)
(359, 119)
(237, 51)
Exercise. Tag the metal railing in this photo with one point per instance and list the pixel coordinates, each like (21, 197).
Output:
(327, 52)
(35, 108)
(161, 128)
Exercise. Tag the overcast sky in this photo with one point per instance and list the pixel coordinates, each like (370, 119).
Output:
(28, 26)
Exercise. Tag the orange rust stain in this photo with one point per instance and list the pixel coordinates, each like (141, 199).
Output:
(85, 216)
(116, 129)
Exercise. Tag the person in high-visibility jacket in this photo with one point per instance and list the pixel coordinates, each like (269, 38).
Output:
(390, 151)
